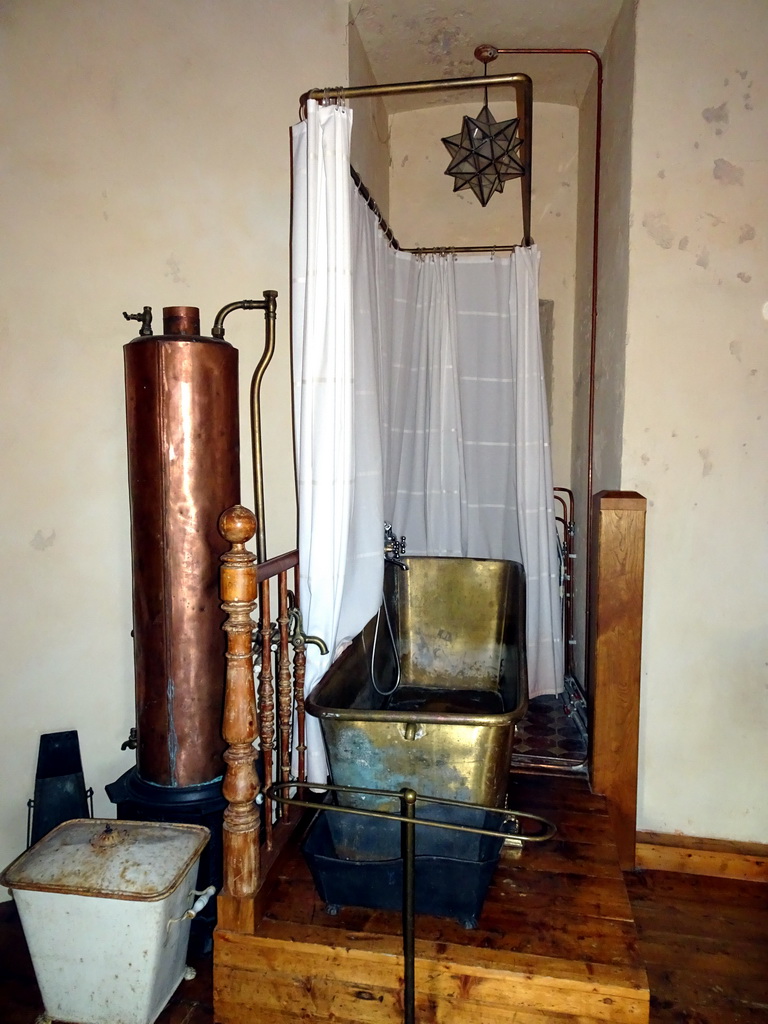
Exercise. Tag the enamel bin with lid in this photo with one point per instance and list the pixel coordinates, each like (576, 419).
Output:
(105, 907)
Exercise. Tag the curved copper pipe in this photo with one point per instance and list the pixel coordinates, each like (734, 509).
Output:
(269, 305)
(485, 53)
(270, 316)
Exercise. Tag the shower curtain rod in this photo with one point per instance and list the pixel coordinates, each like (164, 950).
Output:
(523, 94)
(420, 250)
(374, 207)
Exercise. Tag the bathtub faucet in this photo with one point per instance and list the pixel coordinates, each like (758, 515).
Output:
(394, 549)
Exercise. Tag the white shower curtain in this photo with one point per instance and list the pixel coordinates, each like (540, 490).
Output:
(468, 470)
(417, 387)
(335, 407)
(424, 482)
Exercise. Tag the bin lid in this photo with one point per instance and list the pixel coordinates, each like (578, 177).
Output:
(125, 860)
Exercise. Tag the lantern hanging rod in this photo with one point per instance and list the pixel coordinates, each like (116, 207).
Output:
(524, 94)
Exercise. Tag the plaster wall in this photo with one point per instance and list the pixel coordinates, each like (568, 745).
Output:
(369, 145)
(426, 212)
(696, 411)
(146, 160)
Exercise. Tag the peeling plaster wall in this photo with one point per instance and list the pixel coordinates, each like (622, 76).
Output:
(146, 161)
(696, 411)
(369, 148)
(425, 211)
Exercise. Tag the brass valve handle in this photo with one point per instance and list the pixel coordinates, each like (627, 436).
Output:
(298, 637)
(145, 318)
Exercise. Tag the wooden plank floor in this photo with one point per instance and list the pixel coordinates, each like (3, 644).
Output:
(704, 940)
(556, 941)
(705, 944)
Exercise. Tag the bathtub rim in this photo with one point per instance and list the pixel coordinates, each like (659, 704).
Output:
(501, 719)
(321, 711)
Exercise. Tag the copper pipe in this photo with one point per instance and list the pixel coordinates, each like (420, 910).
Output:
(566, 490)
(568, 532)
(402, 88)
(269, 305)
(181, 320)
(524, 91)
(183, 461)
(270, 316)
(487, 52)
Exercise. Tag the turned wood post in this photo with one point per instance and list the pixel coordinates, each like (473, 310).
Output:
(284, 682)
(616, 631)
(240, 728)
(266, 702)
(299, 672)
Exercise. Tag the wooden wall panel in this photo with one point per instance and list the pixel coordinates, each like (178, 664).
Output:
(616, 622)
(719, 858)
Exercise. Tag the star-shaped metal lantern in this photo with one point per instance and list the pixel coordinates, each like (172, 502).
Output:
(483, 154)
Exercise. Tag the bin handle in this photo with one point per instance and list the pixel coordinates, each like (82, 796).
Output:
(197, 906)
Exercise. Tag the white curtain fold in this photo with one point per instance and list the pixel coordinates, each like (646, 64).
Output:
(340, 506)
(533, 481)
(424, 481)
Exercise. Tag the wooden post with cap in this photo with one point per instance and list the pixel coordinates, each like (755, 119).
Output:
(240, 727)
(616, 632)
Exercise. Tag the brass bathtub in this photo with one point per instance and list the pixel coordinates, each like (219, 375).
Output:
(446, 728)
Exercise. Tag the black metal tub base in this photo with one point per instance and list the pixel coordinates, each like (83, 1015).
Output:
(445, 886)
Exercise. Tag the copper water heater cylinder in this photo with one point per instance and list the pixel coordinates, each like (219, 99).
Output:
(184, 470)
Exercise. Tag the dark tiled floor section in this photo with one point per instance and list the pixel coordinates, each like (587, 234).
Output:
(547, 732)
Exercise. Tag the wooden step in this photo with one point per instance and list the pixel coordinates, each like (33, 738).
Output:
(555, 941)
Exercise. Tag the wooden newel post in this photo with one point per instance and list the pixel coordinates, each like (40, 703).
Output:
(616, 628)
(240, 727)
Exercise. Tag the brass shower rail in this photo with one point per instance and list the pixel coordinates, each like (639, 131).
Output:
(420, 250)
(524, 95)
